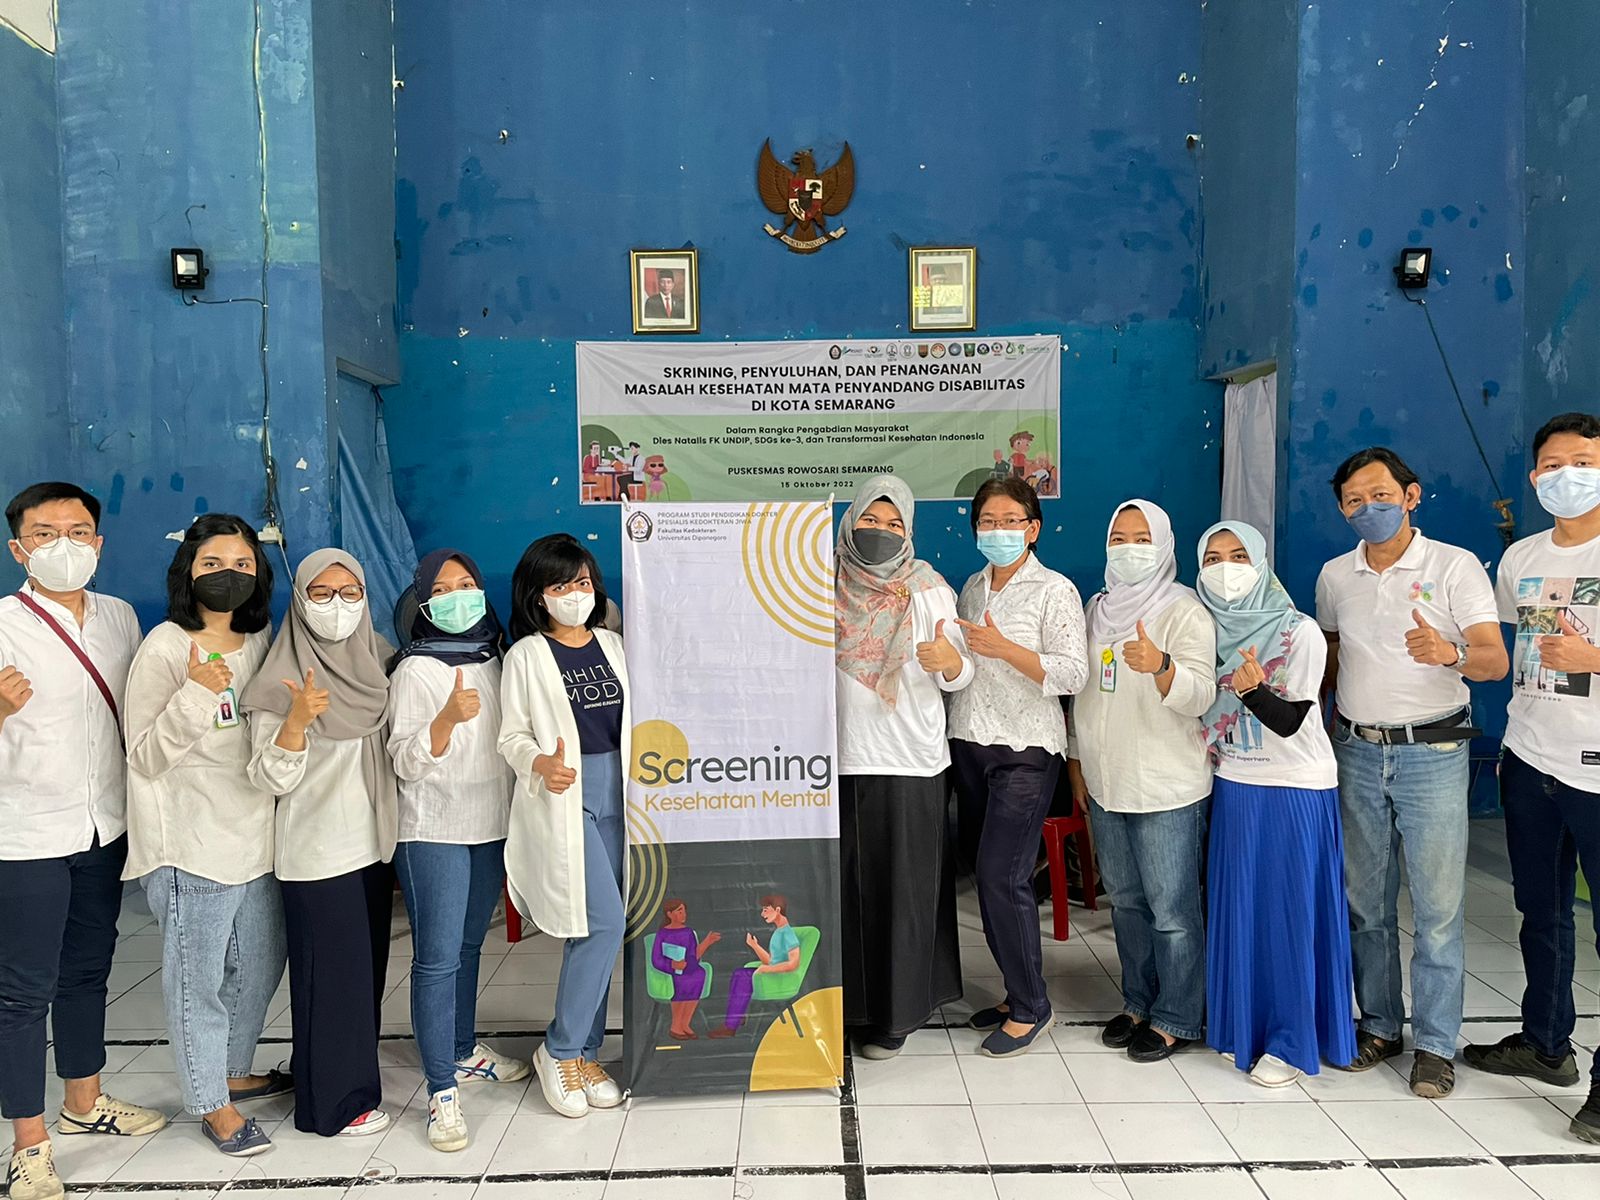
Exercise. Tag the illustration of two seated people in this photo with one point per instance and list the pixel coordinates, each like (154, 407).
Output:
(678, 953)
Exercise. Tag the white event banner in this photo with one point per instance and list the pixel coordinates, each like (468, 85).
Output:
(730, 647)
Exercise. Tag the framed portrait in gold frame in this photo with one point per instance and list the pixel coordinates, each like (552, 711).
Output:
(666, 290)
(944, 288)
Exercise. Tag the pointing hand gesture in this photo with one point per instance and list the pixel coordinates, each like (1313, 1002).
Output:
(212, 674)
(309, 702)
(1427, 645)
(1248, 675)
(938, 657)
(1142, 654)
(463, 703)
(985, 639)
(558, 777)
(15, 691)
(1568, 650)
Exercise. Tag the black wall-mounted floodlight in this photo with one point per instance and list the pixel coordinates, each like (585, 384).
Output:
(189, 269)
(1416, 264)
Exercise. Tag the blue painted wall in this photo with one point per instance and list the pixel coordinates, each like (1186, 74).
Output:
(33, 345)
(1562, 366)
(1248, 82)
(537, 144)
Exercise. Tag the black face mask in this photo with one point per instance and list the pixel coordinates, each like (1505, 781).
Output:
(876, 545)
(225, 590)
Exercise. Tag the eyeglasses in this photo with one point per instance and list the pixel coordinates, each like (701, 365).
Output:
(989, 524)
(561, 589)
(82, 536)
(320, 594)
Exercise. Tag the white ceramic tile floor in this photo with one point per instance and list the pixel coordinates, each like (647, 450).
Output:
(1069, 1120)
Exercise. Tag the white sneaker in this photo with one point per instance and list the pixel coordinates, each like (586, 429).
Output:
(447, 1128)
(374, 1120)
(112, 1116)
(32, 1174)
(562, 1083)
(1271, 1071)
(599, 1088)
(483, 1065)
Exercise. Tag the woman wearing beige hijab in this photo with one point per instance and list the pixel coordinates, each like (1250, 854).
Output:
(319, 732)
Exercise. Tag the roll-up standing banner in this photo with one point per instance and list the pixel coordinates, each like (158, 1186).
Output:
(732, 964)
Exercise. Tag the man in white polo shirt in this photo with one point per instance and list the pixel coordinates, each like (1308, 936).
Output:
(1549, 591)
(1409, 620)
(64, 657)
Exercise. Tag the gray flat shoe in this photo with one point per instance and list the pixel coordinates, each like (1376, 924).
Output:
(248, 1141)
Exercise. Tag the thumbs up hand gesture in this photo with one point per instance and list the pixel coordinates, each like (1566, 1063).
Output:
(1568, 650)
(1427, 645)
(15, 691)
(212, 674)
(309, 702)
(1248, 675)
(1142, 654)
(558, 777)
(939, 657)
(463, 703)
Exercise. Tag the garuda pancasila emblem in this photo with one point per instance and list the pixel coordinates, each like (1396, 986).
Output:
(805, 197)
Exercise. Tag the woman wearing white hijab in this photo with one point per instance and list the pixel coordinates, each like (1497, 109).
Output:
(319, 728)
(1137, 763)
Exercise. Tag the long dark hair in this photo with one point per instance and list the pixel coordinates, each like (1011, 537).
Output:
(554, 558)
(182, 609)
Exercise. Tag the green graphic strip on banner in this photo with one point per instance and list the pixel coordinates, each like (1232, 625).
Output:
(790, 420)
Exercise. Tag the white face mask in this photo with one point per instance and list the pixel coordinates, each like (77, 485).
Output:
(572, 609)
(1230, 581)
(334, 619)
(63, 566)
(1134, 562)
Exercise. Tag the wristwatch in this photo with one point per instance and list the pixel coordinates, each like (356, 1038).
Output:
(1461, 656)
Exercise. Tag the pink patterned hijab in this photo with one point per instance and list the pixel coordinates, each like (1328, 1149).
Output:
(872, 601)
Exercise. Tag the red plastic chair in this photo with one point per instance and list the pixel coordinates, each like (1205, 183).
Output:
(1056, 832)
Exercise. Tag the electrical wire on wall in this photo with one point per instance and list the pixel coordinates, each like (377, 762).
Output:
(1508, 523)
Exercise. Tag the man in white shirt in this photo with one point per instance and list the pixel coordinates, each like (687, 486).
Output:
(1549, 591)
(64, 657)
(1409, 620)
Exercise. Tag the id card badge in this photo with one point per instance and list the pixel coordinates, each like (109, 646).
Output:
(227, 705)
(1108, 671)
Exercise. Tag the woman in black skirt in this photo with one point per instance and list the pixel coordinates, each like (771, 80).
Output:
(898, 652)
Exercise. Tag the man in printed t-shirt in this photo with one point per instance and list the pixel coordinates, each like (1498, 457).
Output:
(1549, 590)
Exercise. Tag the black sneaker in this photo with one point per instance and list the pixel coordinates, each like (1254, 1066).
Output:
(1372, 1050)
(1119, 1031)
(1432, 1077)
(1586, 1123)
(1512, 1055)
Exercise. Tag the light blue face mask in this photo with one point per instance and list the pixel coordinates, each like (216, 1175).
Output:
(1377, 522)
(1569, 492)
(1002, 547)
(457, 612)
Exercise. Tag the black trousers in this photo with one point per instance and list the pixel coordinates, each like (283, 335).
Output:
(58, 932)
(338, 933)
(1010, 792)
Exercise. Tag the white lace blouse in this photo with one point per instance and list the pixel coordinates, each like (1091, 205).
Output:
(1039, 609)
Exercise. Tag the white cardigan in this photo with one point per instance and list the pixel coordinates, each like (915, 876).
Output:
(544, 845)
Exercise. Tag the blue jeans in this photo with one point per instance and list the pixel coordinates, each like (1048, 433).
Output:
(450, 893)
(579, 1024)
(1550, 828)
(1152, 864)
(222, 956)
(1409, 799)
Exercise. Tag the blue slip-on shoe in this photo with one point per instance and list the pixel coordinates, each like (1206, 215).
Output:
(987, 1018)
(1001, 1044)
(247, 1141)
(278, 1083)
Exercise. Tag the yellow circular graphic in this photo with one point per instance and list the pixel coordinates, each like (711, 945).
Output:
(663, 738)
(803, 1047)
(788, 563)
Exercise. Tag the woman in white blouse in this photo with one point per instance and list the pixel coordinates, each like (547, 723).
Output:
(1008, 730)
(565, 733)
(318, 722)
(200, 831)
(455, 799)
(898, 654)
(1139, 768)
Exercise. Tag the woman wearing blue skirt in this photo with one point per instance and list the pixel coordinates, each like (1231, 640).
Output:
(1278, 985)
